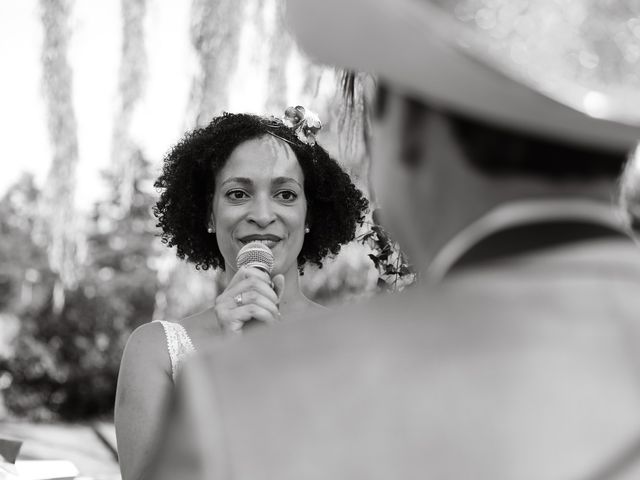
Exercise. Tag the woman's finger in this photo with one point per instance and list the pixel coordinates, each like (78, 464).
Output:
(234, 326)
(253, 312)
(245, 273)
(252, 284)
(278, 286)
(232, 313)
(253, 297)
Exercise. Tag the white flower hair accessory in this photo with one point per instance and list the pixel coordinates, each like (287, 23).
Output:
(305, 123)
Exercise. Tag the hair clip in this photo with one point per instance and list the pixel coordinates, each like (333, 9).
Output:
(305, 123)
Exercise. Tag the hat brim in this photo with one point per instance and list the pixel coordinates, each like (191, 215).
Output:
(403, 42)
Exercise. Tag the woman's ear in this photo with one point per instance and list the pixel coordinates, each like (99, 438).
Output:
(211, 220)
(307, 222)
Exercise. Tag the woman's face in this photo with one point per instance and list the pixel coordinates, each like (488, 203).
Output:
(259, 195)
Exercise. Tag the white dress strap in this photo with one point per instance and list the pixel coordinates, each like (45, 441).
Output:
(179, 345)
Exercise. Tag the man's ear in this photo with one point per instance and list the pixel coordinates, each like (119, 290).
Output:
(415, 119)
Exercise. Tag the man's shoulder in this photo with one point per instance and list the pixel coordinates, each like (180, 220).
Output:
(555, 290)
(548, 297)
(422, 366)
(488, 347)
(416, 325)
(356, 325)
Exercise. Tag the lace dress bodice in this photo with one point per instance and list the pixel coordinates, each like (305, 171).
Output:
(179, 345)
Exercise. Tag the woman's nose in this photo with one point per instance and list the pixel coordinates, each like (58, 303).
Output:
(262, 213)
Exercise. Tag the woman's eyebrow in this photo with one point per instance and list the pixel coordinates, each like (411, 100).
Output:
(243, 180)
(283, 180)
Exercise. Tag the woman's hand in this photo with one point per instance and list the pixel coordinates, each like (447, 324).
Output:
(249, 296)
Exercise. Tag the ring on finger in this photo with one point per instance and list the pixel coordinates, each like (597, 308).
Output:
(238, 300)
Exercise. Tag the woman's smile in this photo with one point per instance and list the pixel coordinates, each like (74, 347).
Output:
(266, 239)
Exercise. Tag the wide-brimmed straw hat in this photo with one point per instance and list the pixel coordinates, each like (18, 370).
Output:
(562, 69)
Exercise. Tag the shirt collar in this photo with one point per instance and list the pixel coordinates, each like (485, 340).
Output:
(520, 213)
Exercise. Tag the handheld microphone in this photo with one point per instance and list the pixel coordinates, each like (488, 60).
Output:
(256, 255)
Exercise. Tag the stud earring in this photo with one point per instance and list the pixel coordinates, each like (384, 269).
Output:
(211, 229)
(307, 229)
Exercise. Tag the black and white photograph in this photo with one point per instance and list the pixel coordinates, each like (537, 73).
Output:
(311, 240)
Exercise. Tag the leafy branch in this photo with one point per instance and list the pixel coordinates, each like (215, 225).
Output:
(394, 270)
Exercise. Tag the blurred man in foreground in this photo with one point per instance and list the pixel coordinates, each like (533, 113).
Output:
(500, 130)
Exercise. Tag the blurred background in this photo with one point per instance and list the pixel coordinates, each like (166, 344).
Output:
(93, 94)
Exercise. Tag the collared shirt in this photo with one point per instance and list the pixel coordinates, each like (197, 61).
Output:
(563, 219)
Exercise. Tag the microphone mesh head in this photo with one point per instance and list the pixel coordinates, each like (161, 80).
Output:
(256, 254)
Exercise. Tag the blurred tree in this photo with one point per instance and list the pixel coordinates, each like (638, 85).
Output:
(280, 47)
(26, 280)
(215, 34)
(619, 61)
(65, 364)
(131, 82)
(183, 290)
(58, 227)
(24, 272)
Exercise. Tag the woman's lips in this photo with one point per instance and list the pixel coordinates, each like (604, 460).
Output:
(268, 241)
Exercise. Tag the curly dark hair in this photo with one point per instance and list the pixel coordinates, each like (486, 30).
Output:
(334, 204)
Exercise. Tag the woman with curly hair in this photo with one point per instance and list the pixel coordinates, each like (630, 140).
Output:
(243, 178)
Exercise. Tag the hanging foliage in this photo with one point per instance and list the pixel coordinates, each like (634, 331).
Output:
(131, 83)
(58, 221)
(215, 34)
(281, 45)
(395, 273)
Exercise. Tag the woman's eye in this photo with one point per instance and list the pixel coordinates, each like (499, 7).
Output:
(236, 195)
(287, 195)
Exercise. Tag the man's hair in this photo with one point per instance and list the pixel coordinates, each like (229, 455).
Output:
(499, 151)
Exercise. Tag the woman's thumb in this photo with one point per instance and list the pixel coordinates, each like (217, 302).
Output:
(278, 285)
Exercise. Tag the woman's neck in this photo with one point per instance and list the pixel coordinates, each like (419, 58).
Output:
(292, 299)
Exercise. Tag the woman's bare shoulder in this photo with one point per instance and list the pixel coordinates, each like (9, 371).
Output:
(142, 398)
(147, 346)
